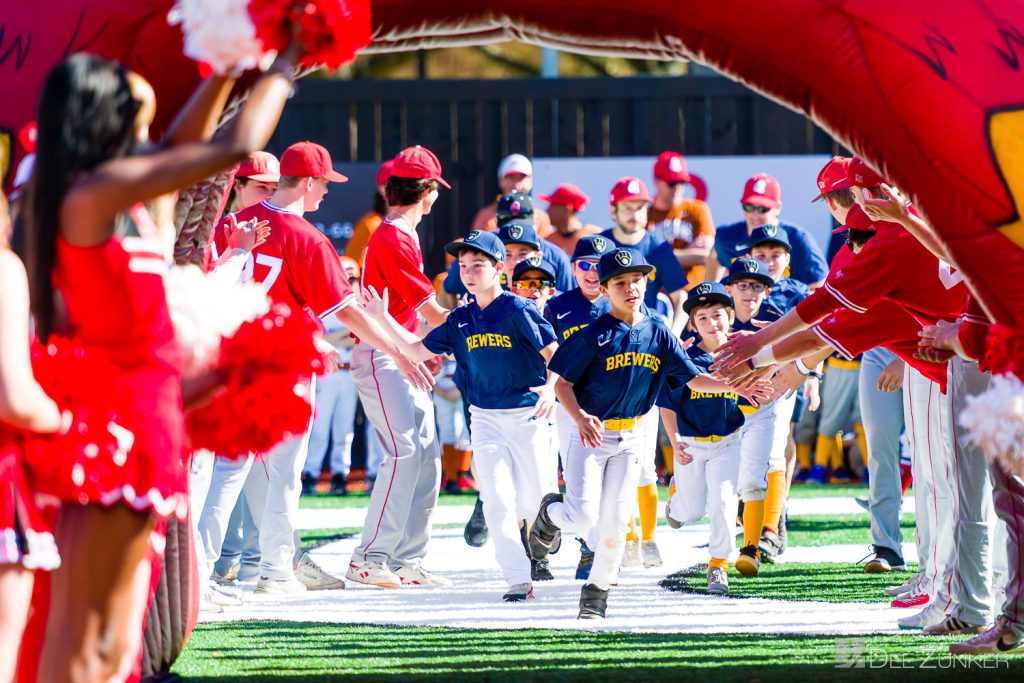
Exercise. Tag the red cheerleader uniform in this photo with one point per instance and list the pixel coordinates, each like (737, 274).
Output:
(114, 295)
(24, 537)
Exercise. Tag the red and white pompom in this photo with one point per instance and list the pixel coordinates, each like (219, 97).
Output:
(221, 34)
(994, 421)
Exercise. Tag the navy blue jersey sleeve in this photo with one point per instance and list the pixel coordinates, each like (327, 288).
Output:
(573, 358)
(669, 275)
(534, 329)
(671, 395)
(808, 262)
(678, 366)
(453, 283)
(441, 340)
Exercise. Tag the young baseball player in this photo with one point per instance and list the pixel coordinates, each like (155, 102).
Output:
(706, 429)
(501, 343)
(533, 278)
(609, 375)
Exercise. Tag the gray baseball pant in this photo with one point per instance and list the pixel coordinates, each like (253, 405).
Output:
(882, 412)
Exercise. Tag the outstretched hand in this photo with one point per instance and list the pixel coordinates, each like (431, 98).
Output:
(741, 347)
(895, 208)
(376, 304)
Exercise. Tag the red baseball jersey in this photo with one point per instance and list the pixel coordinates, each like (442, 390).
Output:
(973, 333)
(893, 265)
(886, 324)
(296, 265)
(394, 262)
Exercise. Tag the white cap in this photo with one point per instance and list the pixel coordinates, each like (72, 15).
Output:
(514, 163)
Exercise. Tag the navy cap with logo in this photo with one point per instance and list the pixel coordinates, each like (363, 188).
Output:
(593, 246)
(537, 263)
(485, 242)
(770, 234)
(621, 261)
(515, 206)
(707, 293)
(750, 269)
(519, 233)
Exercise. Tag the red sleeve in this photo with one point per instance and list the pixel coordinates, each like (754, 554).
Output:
(817, 306)
(973, 333)
(319, 278)
(402, 269)
(872, 274)
(884, 324)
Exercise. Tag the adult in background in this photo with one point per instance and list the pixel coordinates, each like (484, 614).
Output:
(515, 174)
(762, 204)
(564, 206)
(684, 223)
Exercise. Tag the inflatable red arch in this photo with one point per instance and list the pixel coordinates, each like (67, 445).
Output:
(931, 92)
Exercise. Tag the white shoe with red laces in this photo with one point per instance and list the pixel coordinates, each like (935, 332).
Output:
(415, 575)
(372, 574)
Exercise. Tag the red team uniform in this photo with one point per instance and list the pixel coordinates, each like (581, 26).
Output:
(394, 262)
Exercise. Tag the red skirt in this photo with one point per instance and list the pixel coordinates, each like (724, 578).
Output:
(25, 539)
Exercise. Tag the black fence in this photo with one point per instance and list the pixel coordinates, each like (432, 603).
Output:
(472, 124)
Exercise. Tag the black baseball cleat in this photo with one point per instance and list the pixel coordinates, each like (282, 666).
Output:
(476, 528)
(544, 535)
(540, 571)
(521, 592)
(593, 602)
(339, 485)
(586, 562)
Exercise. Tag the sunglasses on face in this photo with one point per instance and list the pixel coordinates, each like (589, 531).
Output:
(754, 208)
(586, 266)
(534, 284)
(755, 287)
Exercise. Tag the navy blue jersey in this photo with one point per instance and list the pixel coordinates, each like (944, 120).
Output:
(806, 265)
(668, 274)
(564, 280)
(766, 313)
(699, 413)
(617, 370)
(497, 350)
(787, 293)
(570, 312)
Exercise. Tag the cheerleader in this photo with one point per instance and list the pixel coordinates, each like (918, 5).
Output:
(95, 261)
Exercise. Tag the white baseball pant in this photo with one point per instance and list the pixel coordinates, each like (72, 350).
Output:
(600, 490)
(510, 448)
(927, 414)
(648, 471)
(763, 439)
(708, 486)
(397, 527)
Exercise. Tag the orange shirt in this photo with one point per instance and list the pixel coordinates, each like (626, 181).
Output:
(365, 227)
(686, 224)
(567, 243)
(486, 219)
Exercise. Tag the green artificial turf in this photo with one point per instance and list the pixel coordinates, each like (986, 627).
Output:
(265, 651)
(819, 530)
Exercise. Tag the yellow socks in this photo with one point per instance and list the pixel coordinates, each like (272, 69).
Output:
(862, 441)
(775, 500)
(753, 522)
(718, 562)
(803, 455)
(648, 498)
(668, 455)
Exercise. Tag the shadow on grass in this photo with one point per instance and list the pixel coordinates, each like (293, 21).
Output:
(278, 651)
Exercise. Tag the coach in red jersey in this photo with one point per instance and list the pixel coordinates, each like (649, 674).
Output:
(298, 266)
(397, 526)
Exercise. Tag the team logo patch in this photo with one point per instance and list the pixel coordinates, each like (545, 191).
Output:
(760, 186)
(624, 258)
(472, 237)
(633, 187)
(675, 164)
(704, 288)
(515, 231)
(751, 266)
(771, 230)
(600, 244)
(821, 184)
(534, 261)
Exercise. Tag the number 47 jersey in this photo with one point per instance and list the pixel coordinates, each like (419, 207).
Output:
(296, 265)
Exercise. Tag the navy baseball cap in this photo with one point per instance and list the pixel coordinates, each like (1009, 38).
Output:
(707, 293)
(749, 269)
(519, 233)
(479, 240)
(537, 263)
(593, 246)
(621, 261)
(515, 206)
(770, 234)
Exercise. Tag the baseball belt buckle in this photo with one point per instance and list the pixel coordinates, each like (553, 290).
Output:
(622, 424)
(714, 438)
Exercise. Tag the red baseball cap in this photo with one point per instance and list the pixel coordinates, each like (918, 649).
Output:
(567, 194)
(629, 189)
(862, 175)
(384, 172)
(762, 190)
(671, 167)
(261, 167)
(417, 162)
(834, 176)
(309, 160)
(856, 219)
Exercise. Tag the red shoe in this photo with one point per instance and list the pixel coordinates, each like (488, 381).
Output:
(911, 600)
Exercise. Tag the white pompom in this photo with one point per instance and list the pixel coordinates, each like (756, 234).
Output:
(220, 33)
(205, 309)
(994, 421)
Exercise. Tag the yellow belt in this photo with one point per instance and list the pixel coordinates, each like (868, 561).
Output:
(749, 410)
(843, 364)
(708, 439)
(623, 424)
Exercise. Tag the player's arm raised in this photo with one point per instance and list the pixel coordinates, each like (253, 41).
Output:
(407, 343)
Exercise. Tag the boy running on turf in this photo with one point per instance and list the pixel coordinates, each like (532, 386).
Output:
(501, 344)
